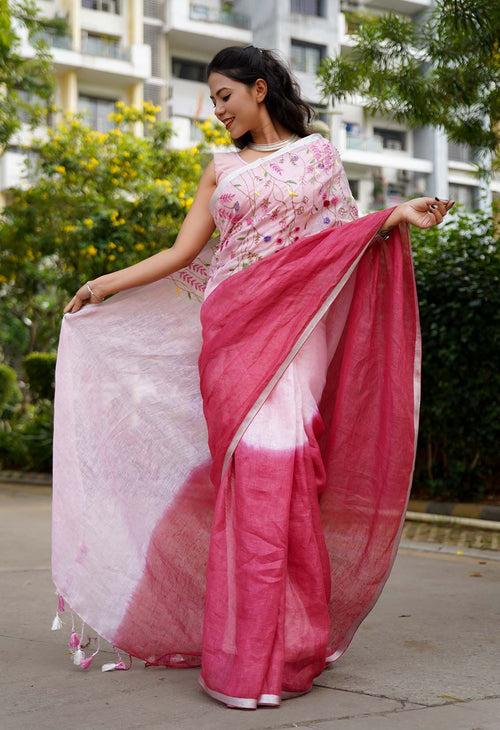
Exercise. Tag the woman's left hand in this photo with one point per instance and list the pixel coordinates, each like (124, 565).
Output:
(425, 212)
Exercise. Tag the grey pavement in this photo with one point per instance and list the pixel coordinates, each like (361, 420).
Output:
(425, 658)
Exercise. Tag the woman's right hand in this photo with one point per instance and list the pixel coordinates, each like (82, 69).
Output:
(83, 296)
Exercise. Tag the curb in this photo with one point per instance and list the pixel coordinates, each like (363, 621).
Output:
(457, 509)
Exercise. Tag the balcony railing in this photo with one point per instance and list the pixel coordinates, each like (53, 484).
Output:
(57, 41)
(106, 49)
(154, 9)
(367, 144)
(216, 15)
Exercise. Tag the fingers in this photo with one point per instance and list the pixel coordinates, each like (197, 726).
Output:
(439, 208)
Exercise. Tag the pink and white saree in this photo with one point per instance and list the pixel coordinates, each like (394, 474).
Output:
(234, 444)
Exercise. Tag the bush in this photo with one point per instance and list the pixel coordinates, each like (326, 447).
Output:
(10, 393)
(26, 441)
(457, 269)
(40, 368)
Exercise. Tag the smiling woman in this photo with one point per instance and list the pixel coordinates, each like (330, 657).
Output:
(235, 428)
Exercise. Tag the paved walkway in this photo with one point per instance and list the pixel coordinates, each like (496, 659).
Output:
(426, 657)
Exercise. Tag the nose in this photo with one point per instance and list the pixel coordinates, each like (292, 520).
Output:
(218, 110)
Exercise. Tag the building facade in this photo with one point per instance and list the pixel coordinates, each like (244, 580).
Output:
(157, 50)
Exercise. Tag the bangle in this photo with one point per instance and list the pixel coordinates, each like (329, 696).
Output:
(99, 299)
(384, 234)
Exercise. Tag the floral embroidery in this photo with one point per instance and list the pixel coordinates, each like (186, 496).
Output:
(302, 190)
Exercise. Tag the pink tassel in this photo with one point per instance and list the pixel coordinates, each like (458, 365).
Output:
(60, 604)
(74, 641)
(85, 663)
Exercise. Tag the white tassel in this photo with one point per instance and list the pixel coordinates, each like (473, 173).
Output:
(108, 667)
(78, 656)
(57, 623)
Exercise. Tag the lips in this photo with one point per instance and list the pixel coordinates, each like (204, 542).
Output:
(228, 122)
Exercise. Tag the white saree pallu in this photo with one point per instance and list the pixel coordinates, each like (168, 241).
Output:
(234, 444)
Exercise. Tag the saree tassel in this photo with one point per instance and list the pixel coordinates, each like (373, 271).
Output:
(120, 664)
(78, 657)
(57, 623)
(74, 641)
(86, 662)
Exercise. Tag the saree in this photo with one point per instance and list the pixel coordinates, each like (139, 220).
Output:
(234, 444)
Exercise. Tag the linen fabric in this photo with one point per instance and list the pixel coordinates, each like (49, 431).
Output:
(234, 444)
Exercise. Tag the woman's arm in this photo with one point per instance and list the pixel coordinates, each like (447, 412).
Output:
(196, 229)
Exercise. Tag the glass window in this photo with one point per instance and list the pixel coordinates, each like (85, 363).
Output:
(182, 68)
(306, 57)
(96, 111)
(465, 194)
(106, 6)
(392, 139)
(308, 7)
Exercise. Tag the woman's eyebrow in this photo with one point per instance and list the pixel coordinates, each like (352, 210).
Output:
(218, 92)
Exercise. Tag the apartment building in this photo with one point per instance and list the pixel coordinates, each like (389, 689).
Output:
(157, 50)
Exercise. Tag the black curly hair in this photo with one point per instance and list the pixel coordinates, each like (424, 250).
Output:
(283, 100)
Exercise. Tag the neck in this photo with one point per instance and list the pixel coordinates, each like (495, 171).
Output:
(268, 132)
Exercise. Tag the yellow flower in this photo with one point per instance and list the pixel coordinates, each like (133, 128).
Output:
(292, 193)
(115, 180)
(120, 221)
(69, 228)
(114, 169)
(189, 202)
(121, 249)
(117, 132)
(111, 244)
(181, 194)
(111, 257)
(88, 222)
(139, 246)
(93, 162)
(120, 104)
(60, 168)
(126, 154)
(3, 279)
(91, 250)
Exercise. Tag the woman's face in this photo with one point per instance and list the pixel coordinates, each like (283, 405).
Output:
(235, 103)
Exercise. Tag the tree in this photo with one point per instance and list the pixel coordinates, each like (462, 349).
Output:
(441, 69)
(96, 202)
(26, 84)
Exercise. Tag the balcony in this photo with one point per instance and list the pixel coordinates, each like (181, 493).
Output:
(99, 59)
(209, 14)
(205, 27)
(104, 48)
(369, 151)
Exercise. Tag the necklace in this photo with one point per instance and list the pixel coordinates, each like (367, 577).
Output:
(272, 145)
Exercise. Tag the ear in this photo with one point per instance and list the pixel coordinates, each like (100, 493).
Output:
(260, 90)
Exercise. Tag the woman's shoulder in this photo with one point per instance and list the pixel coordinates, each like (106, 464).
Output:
(224, 161)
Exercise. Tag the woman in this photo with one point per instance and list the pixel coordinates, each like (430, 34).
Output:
(232, 496)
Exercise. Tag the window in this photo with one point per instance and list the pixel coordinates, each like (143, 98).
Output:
(96, 110)
(465, 194)
(306, 57)
(392, 139)
(190, 70)
(308, 7)
(106, 6)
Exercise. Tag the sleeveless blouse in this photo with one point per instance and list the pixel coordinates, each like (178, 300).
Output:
(261, 208)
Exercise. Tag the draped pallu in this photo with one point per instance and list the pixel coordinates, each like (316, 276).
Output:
(234, 444)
